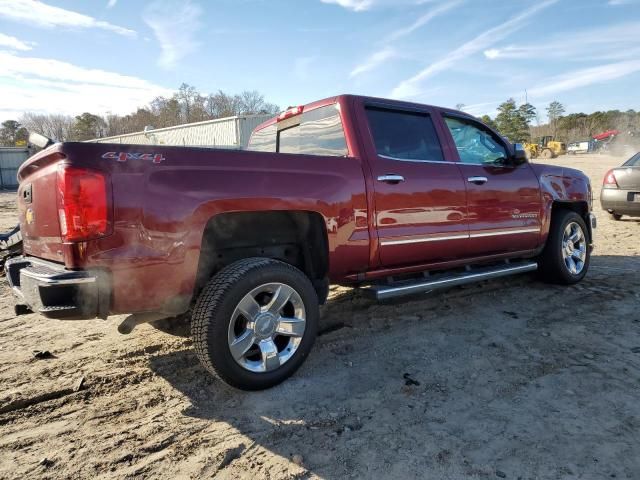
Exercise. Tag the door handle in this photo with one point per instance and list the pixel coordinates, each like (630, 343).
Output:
(391, 178)
(478, 180)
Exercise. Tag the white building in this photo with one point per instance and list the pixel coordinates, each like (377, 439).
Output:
(230, 132)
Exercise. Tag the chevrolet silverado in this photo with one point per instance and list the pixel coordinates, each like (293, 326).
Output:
(396, 198)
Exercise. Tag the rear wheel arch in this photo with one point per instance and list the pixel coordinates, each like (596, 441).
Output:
(298, 238)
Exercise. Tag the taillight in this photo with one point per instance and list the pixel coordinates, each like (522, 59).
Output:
(83, 204)
(610, 180)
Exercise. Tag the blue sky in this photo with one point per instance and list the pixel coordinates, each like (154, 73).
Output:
(64, 56)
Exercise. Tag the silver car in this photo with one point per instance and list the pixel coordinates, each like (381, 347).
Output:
(621, 189)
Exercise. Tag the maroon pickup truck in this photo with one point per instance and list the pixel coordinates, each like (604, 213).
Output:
(396, 198)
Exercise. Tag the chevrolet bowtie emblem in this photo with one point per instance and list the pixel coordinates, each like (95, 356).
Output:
(29, 216)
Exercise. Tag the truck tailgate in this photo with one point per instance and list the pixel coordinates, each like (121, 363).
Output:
(37, 207)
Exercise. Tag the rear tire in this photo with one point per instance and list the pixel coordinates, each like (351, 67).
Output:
(255, 323)
(566, 255)
(616, 216)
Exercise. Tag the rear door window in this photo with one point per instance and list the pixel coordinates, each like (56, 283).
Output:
(320, 132)
(404, 135)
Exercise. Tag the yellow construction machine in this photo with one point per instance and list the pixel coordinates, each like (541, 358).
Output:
(546, 147)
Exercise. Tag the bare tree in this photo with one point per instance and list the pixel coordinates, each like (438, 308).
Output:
(252, 102)
(222, 105)
(55, 126)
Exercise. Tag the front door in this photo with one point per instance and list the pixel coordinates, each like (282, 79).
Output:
(419, 196)
(503, 199)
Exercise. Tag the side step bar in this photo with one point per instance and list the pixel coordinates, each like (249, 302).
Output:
(384, 292)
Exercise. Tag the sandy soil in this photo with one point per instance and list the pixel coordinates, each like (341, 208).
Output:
(513, 379)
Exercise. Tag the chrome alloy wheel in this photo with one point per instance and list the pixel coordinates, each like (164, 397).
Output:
(574, 248)
(267, 327)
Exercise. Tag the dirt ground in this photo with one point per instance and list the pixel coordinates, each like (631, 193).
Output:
(512, 379)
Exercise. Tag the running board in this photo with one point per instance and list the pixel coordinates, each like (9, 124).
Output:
(384, 292)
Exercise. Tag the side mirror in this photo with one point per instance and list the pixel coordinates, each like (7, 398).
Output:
(519, 155)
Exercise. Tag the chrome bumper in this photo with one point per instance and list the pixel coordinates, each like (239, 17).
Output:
(55, 292)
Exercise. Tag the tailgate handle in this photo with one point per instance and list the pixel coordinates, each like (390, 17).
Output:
(26, 194)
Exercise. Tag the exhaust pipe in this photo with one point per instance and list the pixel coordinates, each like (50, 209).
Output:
(22, 310)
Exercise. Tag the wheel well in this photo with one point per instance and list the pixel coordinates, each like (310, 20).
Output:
(294, 237)
(581, 208)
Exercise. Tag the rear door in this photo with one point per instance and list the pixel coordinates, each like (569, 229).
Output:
(420, 205)
(503, 200)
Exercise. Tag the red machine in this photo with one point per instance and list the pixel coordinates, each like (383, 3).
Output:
(609, 134)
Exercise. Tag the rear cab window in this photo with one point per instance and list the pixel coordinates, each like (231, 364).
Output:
(314, 132)
(263, 140)
(404, 135)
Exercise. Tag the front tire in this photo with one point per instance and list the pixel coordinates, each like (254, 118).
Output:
(547, 153)
(255, 323)
(616, 216)
(566, 255)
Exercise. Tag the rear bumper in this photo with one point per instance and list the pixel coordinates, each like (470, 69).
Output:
(55, 292)
(619, 201)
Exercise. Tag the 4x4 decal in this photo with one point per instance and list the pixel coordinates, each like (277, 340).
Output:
(124, 156)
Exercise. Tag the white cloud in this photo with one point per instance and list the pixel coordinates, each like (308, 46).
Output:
(50, 86)
(479, 109)
(362, 5)
(387, 53)
(411, 87)
(111, 3)
(588, 76)
(424, 19)
(613, 42)
(374, 61)
(492, 53)
(13, 43)
(622, 2)
(34, 12)
(174, 24)
(355, 5)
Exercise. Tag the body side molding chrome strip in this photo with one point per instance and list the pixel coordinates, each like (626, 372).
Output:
(389, 240)
(423, 239)
(504, 232)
